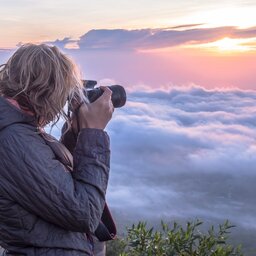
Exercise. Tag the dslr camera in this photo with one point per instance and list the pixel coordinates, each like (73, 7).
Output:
(118, 97)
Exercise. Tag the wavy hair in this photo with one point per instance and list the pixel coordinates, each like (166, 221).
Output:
(41, 78)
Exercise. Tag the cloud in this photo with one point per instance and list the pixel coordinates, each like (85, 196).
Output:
(5, 50)
(5, 54)
(185, 153)
(245, 33)
(109, 39)
(61, 43)
(187, 26)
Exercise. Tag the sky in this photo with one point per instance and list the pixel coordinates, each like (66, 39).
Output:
(31, 20)
(185, 140)
(208, 43)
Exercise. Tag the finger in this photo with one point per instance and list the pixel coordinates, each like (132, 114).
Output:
(105, 88)
(105, 97)
(107, 93)
(111, 107)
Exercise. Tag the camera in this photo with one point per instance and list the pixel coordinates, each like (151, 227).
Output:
(118, 97)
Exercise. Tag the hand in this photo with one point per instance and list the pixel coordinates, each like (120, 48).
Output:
(96, 114)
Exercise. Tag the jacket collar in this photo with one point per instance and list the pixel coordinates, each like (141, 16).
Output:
(11, 114)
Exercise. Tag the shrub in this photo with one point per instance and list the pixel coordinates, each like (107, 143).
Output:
(174, 241)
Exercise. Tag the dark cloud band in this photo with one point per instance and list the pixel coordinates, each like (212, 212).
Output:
(154, 38)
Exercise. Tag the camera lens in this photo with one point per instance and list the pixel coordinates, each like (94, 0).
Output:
(118, 95)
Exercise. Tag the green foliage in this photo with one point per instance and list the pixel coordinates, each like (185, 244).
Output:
(175, 241)
(116, 247)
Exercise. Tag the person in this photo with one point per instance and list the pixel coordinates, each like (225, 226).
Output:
(47, 206)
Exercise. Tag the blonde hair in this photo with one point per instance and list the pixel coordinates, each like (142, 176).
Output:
(41, 79)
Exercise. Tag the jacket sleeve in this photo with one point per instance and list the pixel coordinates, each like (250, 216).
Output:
(42, 185)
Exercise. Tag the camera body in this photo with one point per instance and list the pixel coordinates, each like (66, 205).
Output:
(118, 97)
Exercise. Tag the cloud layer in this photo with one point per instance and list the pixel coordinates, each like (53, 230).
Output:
(185, 153)
(123, 39)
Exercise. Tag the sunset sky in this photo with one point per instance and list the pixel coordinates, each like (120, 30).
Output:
(30, 20)
(185, 140)
(210, 43)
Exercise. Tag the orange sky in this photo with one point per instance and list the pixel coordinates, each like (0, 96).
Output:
(210, 43)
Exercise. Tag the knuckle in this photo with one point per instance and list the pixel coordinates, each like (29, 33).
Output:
(108, 91)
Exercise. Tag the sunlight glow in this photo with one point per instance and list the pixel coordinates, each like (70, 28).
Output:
(228, 45)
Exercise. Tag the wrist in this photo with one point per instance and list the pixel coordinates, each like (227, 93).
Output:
(84, 125)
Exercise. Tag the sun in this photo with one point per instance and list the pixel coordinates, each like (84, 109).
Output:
(230, 45)
(227, 45)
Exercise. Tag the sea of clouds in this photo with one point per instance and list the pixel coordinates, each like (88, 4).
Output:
(184, 153)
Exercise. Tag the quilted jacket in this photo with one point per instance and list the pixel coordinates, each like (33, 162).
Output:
(44, 208)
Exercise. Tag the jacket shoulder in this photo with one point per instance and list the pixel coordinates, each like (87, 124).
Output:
(18, 129)
(19, 142)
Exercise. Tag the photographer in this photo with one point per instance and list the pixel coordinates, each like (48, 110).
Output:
(50, 203)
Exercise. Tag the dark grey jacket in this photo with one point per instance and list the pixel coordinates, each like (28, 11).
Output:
(45, 209)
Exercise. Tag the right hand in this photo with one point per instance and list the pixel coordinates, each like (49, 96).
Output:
(96, 114)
